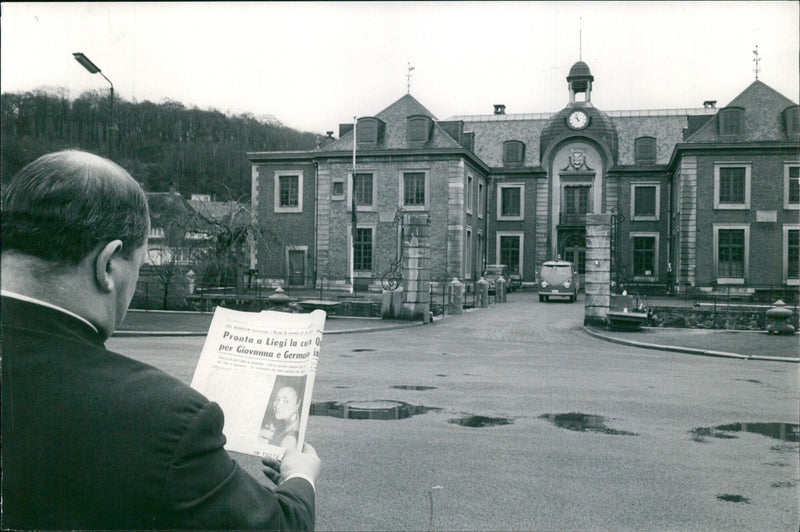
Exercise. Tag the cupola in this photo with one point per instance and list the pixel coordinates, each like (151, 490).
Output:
(580, 82)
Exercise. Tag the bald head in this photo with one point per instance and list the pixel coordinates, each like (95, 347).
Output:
(63, 205)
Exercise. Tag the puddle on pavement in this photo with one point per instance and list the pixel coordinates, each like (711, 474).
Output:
(733, 498)
(362, 350)
(341, 387)
(378, 409)
(481, 421)
(413, 387)
(754, 381)
(788, 432)
(441, 375)
(584, 423)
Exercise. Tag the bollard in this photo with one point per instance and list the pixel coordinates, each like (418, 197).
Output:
(779, 319)
(455, 304)
(482, 288)
(500, 290)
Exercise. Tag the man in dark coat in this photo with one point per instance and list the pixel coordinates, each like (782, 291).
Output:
(92, 439)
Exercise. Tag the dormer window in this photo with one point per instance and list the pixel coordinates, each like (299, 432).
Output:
(369, 130)
(791, 120)
(513, 152)
(645, 150)
(419, 128)
(731, 121)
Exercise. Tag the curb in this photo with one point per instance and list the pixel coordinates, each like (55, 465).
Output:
(688, 350)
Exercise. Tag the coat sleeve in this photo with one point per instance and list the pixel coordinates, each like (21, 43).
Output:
(207, 489)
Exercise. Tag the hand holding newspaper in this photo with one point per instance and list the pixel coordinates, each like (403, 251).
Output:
(260, 368)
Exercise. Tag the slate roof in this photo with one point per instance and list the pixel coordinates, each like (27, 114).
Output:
(395, 133)
(763, 119)
(666, 125)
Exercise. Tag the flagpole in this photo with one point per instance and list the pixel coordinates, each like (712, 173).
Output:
(353, 208)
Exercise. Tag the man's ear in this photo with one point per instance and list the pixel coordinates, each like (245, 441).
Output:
(103, 265)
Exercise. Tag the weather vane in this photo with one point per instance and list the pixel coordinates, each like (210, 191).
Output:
(756, 60)
(408, 77)
(580, 38)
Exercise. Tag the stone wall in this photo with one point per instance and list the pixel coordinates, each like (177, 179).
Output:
(752, 319)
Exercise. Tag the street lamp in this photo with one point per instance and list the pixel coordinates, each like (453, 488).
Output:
(94, 69)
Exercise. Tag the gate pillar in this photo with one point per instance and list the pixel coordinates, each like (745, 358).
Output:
(597, 283)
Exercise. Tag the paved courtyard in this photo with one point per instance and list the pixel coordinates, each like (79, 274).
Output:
(528, 423)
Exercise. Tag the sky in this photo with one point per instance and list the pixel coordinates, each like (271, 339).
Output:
(315, 65)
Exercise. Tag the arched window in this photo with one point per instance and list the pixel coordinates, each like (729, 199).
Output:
(513, 152)
(731, 121)
(419, 128)
(645, 150)
(369, 130)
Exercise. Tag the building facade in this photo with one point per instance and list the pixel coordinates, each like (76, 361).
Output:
(700, 198)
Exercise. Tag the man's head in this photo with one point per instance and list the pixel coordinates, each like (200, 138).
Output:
(83, 220)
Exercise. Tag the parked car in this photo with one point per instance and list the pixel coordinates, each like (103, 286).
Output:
(494, 272)
(558, 278)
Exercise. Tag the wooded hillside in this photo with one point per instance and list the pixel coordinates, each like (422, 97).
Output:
(160, 144)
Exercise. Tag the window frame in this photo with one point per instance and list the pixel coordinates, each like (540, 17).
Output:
(426, 121)
(498, 239)
(373, 229)
(481, 206)
(787, 204)
(361, 123)
(343, 194)
(725, 120)
(786, 279)
(656, 236)
(745, 266)
(402, 192)
(732, 206)
(638, 147)
(521, 187)
(509, 162)
(349, 193)
(469, 193)
(468, 252)
(277, 191)
(646, 218)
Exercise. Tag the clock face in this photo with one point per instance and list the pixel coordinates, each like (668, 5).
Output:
(578, 120)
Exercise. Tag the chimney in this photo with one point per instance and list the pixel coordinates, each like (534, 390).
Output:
(710, 104)
(330, 134)
(499, 109)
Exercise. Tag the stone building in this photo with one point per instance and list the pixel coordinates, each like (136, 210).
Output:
(700, 199)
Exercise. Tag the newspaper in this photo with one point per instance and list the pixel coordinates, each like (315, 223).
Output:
(260, 368)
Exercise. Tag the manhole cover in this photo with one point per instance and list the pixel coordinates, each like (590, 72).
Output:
(481, 421)
(376, 409)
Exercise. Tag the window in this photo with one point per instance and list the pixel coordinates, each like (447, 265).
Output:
(337, 190)
(368, 130)
(362, 250)
(288, 192)
(645, 150)
(481, 200)
(732, 186)
(791, 186)
(418, 128)
(645, 201)
(363, 190)
(510, 202)
(731, 249)
(645, 254)
(791, 254)
(414, 189)
(791, 118)
(468, 253)
(731, 121)
(577, 200)
(513, 152)
(509, 250)
(469, 194)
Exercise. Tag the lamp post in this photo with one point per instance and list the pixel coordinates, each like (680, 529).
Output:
(94, 69)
